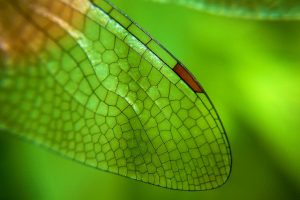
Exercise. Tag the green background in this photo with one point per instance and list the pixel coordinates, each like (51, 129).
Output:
(251, 71)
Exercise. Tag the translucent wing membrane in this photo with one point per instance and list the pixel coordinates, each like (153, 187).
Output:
(80, 78)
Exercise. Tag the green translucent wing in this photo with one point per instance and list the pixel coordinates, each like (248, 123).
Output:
(265, 9)
(80, 78)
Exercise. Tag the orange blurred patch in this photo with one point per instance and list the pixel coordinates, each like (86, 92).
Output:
(25, 31)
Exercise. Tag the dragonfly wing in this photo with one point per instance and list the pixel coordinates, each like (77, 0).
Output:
(82, 79)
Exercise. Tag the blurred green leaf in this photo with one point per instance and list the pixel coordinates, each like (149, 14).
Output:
(260, 9)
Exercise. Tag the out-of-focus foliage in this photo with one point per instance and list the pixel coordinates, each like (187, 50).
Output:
(251, 71)
(271, 9)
